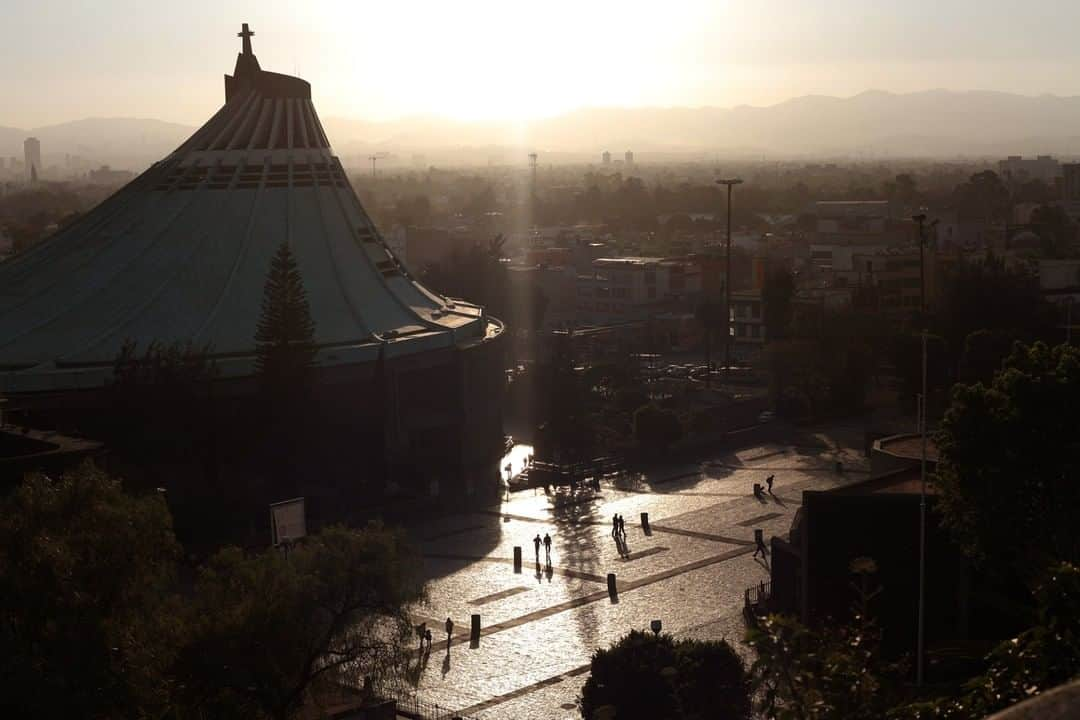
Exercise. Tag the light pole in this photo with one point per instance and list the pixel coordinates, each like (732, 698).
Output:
(730, 182)
(921, 220)
(1068, 320)
(922, 524)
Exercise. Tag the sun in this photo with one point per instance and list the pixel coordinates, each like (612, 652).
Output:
(487, 60)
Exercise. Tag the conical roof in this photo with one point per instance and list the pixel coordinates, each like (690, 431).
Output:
(181, 254)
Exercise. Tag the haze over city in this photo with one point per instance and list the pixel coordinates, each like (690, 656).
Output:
(756, 322)
(485, 60)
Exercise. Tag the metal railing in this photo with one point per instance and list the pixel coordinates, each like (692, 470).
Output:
(757, 596)
(412, 706)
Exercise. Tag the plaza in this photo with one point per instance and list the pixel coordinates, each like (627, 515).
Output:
(539, 628)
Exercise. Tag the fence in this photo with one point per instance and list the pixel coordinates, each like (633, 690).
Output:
(413, 707)
(757, 596)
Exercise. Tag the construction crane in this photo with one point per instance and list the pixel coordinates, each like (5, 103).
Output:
(375, 158)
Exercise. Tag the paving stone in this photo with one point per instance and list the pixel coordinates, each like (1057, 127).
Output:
(541, 627)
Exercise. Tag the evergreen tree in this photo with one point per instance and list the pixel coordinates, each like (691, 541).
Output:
(285, 337)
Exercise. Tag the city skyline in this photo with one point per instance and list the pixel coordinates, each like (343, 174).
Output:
(483, 61)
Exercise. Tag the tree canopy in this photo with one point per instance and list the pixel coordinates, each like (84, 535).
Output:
(1010, 453)
(263, 628)
(285, 335)
(85, 570)
(647, 677)
(95, 623)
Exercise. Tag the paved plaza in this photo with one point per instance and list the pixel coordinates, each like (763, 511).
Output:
(540, 627)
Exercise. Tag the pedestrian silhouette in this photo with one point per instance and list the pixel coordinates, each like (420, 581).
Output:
(622, 526)
(420, 630)
(536, 547)
(614, 525)
(449, 632)
(547, 547)
(769, 482)
(759, 539)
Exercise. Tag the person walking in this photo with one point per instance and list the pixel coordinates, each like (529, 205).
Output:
(427, 636)
(759, 539)
(769, 482)
(615, 525)
(622, 527)
(449, 631)
(536, 547)
(547, 547)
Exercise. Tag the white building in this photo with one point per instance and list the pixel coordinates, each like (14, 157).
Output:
(32, 155)
(633, 288)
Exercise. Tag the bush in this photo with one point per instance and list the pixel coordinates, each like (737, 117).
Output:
(643, 676)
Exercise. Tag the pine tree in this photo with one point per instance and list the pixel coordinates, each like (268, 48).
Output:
(285, 337)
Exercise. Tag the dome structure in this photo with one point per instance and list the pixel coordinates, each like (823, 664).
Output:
(181, 254)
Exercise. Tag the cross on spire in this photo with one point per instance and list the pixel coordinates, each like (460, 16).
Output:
(246, 34)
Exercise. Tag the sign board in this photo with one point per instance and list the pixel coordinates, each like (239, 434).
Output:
(287, 520)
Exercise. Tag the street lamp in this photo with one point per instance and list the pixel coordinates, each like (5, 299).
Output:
(921, 220)
(1068, 319)
(922, 525)
(730, 182)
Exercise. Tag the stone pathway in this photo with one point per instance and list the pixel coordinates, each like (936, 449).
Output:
(540, 627)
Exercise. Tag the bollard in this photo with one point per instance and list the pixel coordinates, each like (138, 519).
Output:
(517, 559)
(474, 635)
(612, 591)
(645, 522)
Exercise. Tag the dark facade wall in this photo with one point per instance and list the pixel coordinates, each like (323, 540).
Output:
(786, 576)
(427, 426)
(884, 527)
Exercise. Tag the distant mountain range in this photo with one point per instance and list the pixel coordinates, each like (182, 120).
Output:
(122, 142)
(935, 123)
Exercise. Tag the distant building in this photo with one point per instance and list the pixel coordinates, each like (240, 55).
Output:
(632, 288)
(629, 157)
(605, 158)
(1018, 169)
(1070, 189)
(844, 228)
(1059, 281)
(747, 325)
(107, 176)
(32, 154)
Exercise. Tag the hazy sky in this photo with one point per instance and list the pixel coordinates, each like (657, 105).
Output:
(481, 59)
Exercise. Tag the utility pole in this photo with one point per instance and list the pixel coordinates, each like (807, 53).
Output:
(922, 526)
(1068, 320)
(730, 182)
(921, 220)
(373, 158)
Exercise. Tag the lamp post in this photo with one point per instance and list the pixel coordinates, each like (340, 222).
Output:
(921, 220)
(730, 182)
(1068, 319)
(922, 524)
